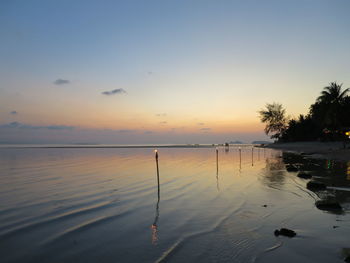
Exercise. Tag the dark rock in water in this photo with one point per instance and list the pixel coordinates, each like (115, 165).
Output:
(285, 232)
(313, 185)
(335, 226)
(291, 168)
(304, 175)
(328, 205)
(346, 254)
(264, 206)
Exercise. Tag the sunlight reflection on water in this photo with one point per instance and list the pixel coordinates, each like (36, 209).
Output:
(105, 205)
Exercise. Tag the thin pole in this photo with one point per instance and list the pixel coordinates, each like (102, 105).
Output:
(217, 169)
(154, 225)
(240, 158)
(157, 172)
(217, 160)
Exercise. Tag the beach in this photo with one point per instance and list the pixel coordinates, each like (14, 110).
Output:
(325, 150)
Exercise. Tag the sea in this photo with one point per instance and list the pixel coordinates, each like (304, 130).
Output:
(194, 203)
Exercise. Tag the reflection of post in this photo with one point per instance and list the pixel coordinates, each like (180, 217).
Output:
(258, 154)
(154, 226)
(253, 156)
(240, 158)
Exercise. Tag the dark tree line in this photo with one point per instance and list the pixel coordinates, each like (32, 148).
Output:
(328, 118)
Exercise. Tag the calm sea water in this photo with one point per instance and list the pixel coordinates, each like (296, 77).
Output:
(103, 205)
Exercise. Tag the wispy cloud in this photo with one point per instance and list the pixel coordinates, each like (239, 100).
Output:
(113, 92)
(125, 131)
(18, 125)
(163, 122)
(61, 81)
(178, 128)
(14, 124)
(13, 112)
(200, 123)
(205, 129)
(56, 127)
(161, 114)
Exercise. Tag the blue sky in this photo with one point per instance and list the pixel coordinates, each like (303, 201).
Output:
(177, 63)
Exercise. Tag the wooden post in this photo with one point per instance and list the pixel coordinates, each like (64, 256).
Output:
(217, 160)
(240, 158)
(156, 151)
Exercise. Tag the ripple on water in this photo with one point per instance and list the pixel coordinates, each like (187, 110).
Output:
(102, 205)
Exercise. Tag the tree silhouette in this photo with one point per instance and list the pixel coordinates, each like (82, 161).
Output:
(332, 94)
(328, 107)
(275, 119)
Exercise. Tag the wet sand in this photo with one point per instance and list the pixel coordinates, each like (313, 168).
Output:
(325, 150)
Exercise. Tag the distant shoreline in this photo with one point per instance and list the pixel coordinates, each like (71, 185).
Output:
(323, 150)
(94, 146)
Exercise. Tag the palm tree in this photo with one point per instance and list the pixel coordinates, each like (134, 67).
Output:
(328, 106)
(332, 94)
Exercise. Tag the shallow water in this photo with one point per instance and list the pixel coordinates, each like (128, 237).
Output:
(102, 205)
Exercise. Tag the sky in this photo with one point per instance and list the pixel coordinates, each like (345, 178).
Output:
(184, 71)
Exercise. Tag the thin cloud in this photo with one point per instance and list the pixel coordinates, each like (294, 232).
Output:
(13, 112)
(113, 92)
(200, 123)
(125, 131)
(163, 122)
(14, 124)
(205, 129)
(161, 114)
(18, 125)
(57, 127)
(61, 81)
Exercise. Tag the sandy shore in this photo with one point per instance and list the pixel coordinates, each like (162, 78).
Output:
(328, 150)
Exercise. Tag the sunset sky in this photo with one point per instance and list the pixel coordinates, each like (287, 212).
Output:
(179, 71)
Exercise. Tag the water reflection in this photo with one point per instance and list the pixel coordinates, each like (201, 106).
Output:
(274, 175)
(198, 223)
(154, 226)
(227, 149)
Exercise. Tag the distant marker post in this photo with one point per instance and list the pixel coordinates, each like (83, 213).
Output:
(240, 157)
(217, 160)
